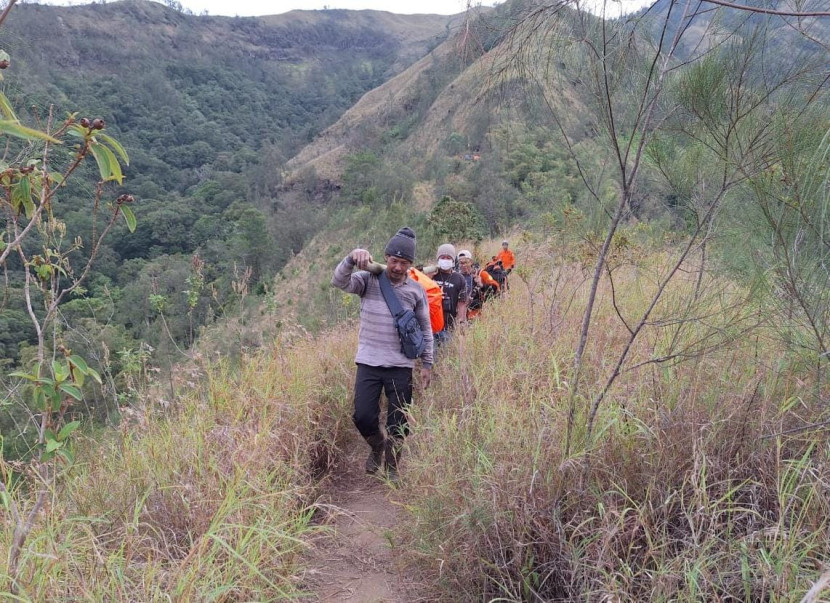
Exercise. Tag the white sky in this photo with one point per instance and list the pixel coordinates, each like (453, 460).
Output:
(253, 8)
(266, 7)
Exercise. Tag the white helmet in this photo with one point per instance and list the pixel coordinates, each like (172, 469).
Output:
(464, 254)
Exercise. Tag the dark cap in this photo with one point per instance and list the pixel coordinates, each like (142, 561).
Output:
(402, 245)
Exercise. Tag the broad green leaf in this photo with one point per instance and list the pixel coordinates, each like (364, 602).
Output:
(66, 455)
(94, 374)
(60, 371)
(44, 271)
(23, 375)
(129, 216)
(13, 128)
(22, 194)
(108, 165)
(79, 362)
(28, 206)
(77, 377)
(76, 131)
(52, 445)
(6, 108)
(116, 146)
(67, 429)
(71, 390)
(56, 398)
(39, 400)
(103, 161)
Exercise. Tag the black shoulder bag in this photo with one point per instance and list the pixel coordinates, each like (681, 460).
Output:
(413, 339)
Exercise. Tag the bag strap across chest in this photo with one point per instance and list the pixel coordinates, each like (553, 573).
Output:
(389, 295)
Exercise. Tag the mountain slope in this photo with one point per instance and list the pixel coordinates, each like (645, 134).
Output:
(208, 109)
(164, 81)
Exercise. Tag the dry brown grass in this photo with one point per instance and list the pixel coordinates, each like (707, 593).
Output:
(208, 499)
(686, 493)
(700, 483)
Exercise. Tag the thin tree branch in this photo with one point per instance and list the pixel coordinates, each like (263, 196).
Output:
(768, 11)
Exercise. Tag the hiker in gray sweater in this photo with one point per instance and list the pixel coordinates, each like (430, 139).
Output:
(381, 365)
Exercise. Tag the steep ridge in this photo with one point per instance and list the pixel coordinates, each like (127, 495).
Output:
(398, 98)
(233, 83)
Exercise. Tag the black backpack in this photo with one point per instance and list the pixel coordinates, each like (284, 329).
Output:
(498, 274)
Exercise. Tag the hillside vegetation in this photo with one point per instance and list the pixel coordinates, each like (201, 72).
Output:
(642, 417)
(703, 484)
(208, 109)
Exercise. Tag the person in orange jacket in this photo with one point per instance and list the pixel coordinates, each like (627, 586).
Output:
(508, 260)
(434, 298)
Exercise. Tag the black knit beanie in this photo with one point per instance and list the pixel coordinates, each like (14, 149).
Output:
(402, 245)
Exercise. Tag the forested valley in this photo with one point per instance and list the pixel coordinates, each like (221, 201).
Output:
(208, 109)
(642, 417)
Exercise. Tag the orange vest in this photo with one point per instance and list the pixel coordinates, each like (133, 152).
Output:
(508, 260)
(434, 297)
(486, 279)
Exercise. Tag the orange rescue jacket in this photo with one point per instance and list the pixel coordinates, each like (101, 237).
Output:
(508, 260)
(434, 297)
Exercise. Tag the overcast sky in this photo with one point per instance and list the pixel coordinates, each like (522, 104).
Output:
(253, 8)
(266, 7)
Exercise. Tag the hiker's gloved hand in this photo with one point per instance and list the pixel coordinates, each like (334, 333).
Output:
(361, 258)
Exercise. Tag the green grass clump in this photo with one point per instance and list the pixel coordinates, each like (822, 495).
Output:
(210, 499)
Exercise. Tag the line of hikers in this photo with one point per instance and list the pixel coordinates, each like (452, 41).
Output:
(401, 321)
(465, 286)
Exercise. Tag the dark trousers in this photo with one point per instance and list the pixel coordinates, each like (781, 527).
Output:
(369, 382)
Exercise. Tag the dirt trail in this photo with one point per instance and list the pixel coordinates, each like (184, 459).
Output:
(357, 560)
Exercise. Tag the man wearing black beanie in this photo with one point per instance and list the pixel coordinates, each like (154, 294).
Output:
(381, 365)
(402, 245)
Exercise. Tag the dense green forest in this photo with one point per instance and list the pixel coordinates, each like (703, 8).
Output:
(209, 109)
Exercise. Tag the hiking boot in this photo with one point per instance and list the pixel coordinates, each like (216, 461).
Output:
(392, 455)
(373, 461)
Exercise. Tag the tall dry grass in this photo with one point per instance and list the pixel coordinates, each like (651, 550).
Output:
(209, 500)
(700, 483)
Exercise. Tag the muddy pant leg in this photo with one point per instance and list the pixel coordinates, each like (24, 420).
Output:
(398, 386)
(368, 386)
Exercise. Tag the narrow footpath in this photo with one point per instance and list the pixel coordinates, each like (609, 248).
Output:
(356, 559)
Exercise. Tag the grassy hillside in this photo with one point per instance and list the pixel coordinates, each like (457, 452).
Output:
(705, 481)
(189, 92)
(642, 417)
(208, 110)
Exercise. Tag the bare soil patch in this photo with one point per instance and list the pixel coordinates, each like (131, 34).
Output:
(357, 559)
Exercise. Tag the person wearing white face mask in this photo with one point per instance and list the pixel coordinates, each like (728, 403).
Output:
(454, 289)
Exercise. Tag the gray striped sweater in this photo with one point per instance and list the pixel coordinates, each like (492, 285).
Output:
(377, 342)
